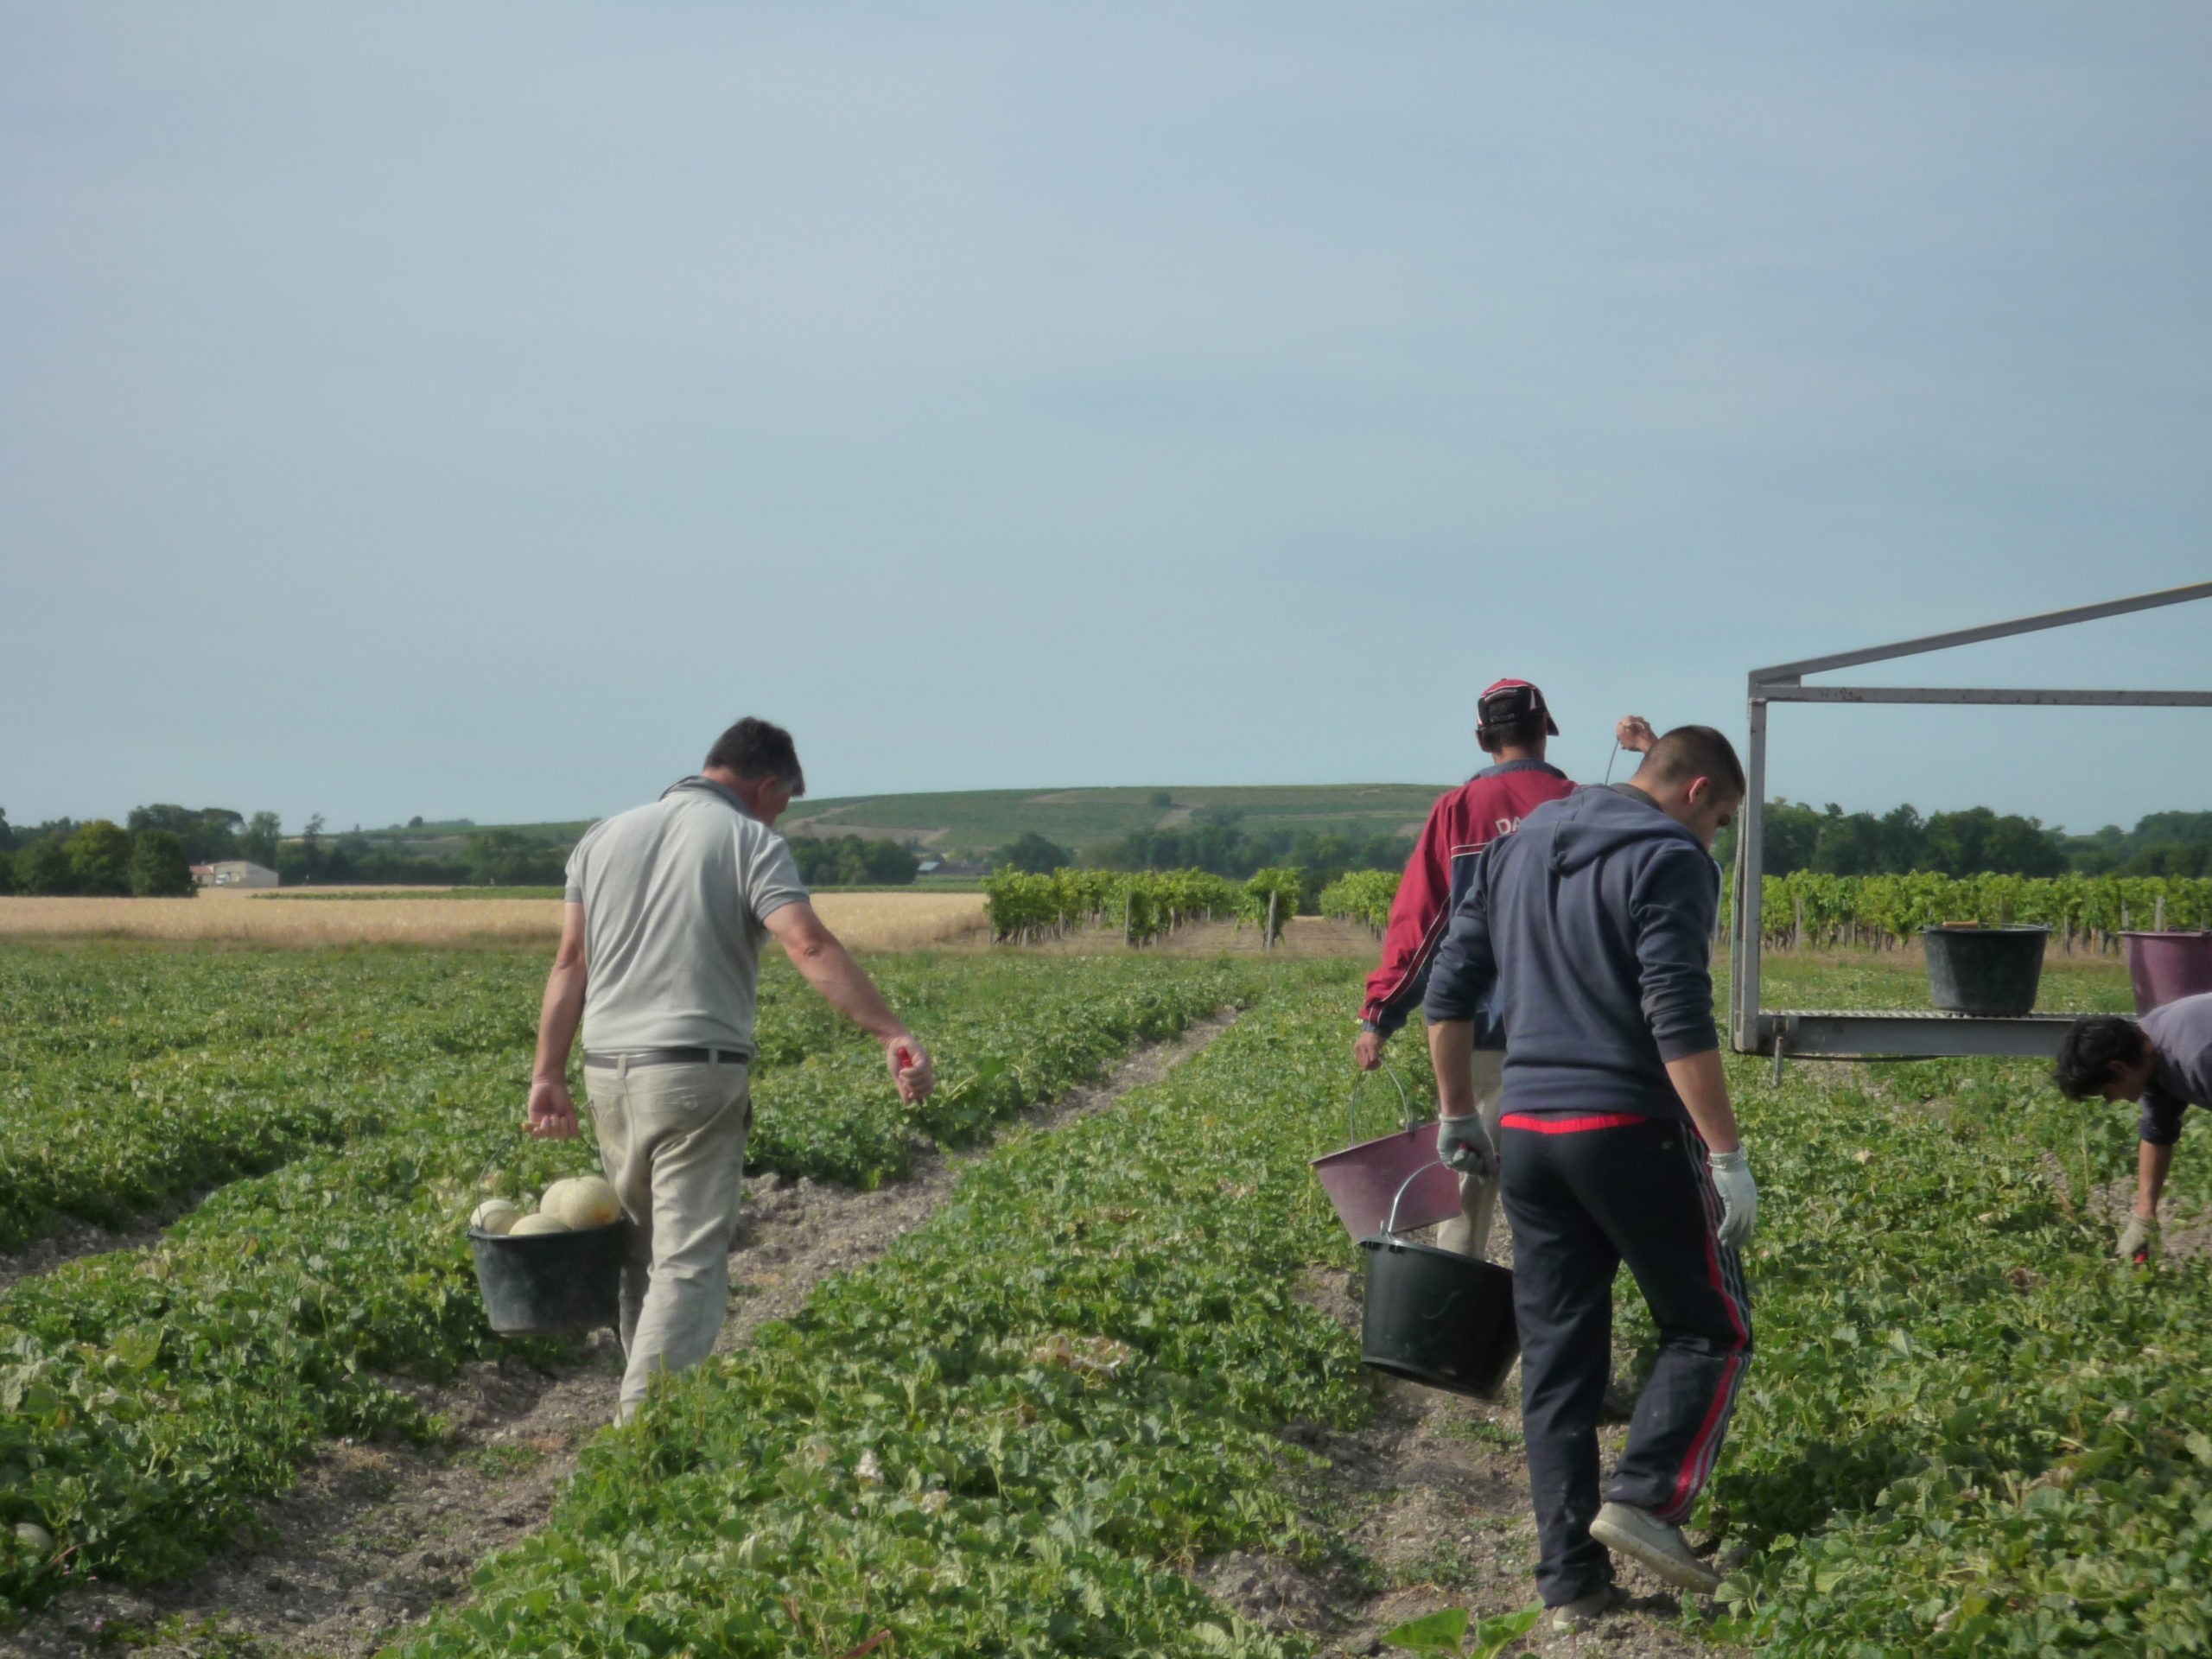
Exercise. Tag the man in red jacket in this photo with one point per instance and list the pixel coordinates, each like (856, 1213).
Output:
(1512, 723)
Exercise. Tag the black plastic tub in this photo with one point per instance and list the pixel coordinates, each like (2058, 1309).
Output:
(543, 1284)
(1985, 970)
(1437, 1317)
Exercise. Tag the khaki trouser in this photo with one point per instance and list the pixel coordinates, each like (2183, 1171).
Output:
(672, 1139)
(1468, 1233)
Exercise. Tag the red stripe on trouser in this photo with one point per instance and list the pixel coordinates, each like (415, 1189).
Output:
(1704, 1447)
(1549, 1125)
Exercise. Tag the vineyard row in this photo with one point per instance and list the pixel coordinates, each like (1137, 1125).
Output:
(1805, 908)
(1144, 905)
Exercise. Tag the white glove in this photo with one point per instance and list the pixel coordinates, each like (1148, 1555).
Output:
(1739, 1198)
(2140, 1241)
(1462, 1143)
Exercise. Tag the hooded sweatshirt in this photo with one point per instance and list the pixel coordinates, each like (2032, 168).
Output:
(1595, 923)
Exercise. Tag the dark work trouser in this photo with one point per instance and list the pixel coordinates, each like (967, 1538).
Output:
(1583, 1195)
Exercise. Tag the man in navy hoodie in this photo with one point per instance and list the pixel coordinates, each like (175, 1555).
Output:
(1594, 925)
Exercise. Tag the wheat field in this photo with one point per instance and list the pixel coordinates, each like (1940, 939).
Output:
(867, 921)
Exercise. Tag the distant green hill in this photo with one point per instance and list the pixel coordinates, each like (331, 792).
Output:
(970, 823)
(973, 822)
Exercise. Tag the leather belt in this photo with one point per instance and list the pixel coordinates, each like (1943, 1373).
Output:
(637, 1056)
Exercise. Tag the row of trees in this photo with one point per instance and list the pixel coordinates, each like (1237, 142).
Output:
(151, 853)
(100, 858)
(849, 861)
(1828, 841)
(206, 834)
(1215, 843)
(1216, 840)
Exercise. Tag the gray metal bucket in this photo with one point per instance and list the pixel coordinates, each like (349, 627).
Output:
(543, 1284)
(1986, 970)
(1436, 1317)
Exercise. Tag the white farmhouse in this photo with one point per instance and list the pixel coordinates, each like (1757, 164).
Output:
(234, 873)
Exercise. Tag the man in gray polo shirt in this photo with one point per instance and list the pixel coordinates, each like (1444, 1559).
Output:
(659, 960)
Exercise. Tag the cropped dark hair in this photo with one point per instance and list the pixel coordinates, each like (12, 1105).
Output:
(1523, 733)
(2092, 1047)
(1695, 752)
(755, 748)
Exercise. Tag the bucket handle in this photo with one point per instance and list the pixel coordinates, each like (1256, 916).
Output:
(1390, 1227)
(1352, 1103)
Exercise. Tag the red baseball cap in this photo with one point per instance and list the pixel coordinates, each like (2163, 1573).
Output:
(1510, 700)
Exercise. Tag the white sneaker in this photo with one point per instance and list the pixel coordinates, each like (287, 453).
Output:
(1579, 1615)
(1644, 1538)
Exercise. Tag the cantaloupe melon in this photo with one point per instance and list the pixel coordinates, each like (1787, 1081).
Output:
(537, 1224)
(34, 1538)
(495, 1215)
(580, 1202)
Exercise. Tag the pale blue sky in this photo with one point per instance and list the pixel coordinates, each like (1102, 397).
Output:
(464, 408)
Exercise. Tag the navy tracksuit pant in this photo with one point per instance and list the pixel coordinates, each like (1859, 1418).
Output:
(1584, 1195)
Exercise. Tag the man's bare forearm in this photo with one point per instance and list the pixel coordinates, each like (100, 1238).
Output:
(829, 968)
(558, 1017)
(2151, 1164)
(1451, 1055)
(1703, 1086)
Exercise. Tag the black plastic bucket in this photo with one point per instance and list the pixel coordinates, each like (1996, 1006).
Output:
(1986, 970)
(543, 1284)
(1437, 1317)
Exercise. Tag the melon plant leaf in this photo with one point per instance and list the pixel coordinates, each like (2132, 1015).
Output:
(1431, 1633)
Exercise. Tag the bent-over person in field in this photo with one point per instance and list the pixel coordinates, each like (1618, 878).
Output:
(2165, 1062)
(659, 961)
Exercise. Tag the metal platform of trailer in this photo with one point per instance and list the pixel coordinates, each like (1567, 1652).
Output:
(1898, 1033)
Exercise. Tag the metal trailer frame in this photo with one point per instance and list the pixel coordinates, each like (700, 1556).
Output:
(1899, 1034)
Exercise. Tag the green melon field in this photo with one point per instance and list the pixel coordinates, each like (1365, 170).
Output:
(1083, 1401)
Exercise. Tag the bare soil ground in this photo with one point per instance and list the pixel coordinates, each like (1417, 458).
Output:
(1429, 1500)
(375, 1537)
(74, 1238)
(2185, 1233)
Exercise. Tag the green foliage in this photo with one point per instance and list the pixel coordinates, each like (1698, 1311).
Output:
(258, 840)
(146, 1398)
(99, 858)
(206, 834)
(1967, 1430)
(1970, 842)
(1270, 898)
(1215, 841)
(6, 870)
(1444, 1635)
(503, 858)
(849, 861)
(1032, 853)
(158, 868)
(1143, 905)
(1006, 1436)
(969, 823)
(1892, 908)
(1362, 896)
(43, 869)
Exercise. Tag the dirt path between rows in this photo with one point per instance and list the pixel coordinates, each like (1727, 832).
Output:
(1430, 1501)
(65, 1243)
(74, 1238)
(373, 1537)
